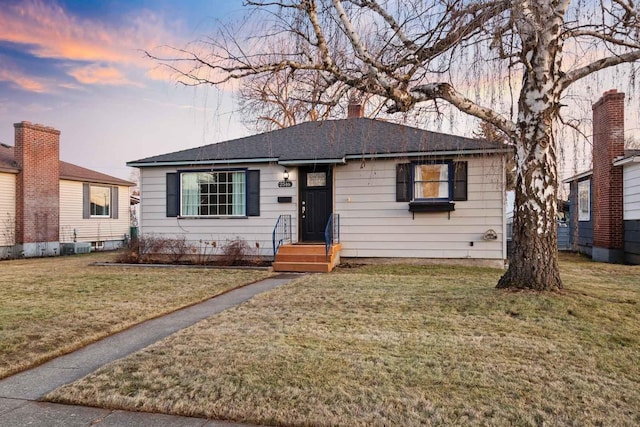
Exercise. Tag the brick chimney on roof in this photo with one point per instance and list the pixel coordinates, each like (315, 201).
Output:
(37, 155)
(355, 108)
(608, 143)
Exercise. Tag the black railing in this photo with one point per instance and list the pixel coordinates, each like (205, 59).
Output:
(331, 232)
(281, 232)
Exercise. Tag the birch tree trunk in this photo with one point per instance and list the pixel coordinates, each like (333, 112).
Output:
(533, 263)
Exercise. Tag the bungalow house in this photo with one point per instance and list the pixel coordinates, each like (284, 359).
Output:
(356, 187)
(50, 207)
(605, 201)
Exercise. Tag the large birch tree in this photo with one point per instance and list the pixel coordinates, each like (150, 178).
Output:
(413, 52)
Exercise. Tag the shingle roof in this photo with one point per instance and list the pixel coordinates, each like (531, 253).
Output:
(67, 170)
(328, 140)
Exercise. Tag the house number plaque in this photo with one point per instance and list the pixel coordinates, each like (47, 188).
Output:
(283, 184)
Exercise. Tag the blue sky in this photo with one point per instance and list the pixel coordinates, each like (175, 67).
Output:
(76, 65)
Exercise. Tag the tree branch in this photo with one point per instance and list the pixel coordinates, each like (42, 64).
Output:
(598, 65)
(445, 91)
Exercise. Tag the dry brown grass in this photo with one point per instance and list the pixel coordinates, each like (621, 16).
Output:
(51, 306)
(399, 345)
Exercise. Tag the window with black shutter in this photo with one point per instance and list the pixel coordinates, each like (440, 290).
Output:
(431, 186)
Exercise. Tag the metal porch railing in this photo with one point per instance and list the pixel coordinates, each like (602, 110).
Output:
(281, 232)
(332, 232)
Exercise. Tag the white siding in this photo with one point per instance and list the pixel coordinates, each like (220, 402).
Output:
(373, 224)
(90, 229)
(631, 186)
(255, 230)
(7, 208)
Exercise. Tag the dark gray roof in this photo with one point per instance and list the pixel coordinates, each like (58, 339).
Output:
(628, 153)
(327, 141)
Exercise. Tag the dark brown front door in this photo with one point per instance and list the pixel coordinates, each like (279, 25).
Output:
(316, 202)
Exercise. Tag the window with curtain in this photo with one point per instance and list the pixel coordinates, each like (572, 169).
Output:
(584, 200)
(219, 193)
(431, 181)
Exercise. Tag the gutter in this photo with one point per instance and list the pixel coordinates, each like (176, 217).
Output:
(341, 160)
(626, 160)
(577, 177)
(313, 162)
(426, 153)
(200, 162)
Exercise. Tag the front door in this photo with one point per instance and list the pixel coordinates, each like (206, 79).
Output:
(316, 203)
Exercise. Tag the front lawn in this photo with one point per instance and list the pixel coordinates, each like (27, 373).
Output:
(399, 345)
(50, 306)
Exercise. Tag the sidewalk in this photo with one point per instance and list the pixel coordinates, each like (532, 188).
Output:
(19, 393)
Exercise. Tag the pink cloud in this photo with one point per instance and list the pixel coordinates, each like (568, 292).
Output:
(49, 31)
(21, 81)
(96, 74)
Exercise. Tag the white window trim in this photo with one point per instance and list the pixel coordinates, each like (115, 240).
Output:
(584, 214)
(244, 202)
(108, 214)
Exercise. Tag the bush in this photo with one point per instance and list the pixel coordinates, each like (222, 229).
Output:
(235, 252)
(148, 249)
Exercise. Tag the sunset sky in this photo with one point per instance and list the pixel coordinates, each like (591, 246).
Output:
(76, 65)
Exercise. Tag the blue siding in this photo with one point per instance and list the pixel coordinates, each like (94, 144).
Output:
(632, 241)
(581, 232)
(564, 243)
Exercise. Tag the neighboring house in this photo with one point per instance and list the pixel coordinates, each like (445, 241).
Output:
(605, 201)
(564, 243)
(383, 190)
(48, 207)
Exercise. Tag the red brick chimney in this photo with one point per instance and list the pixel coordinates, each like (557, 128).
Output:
(355, 108)
(608, 143)
(37, 154)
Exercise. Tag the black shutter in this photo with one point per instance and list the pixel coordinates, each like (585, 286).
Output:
(173, 192)
(253, 193)
(114, 202)
(403, 182)
(459, 181)
(86, 201)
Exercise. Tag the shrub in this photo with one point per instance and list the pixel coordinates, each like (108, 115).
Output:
(150, 248)
(235, 252)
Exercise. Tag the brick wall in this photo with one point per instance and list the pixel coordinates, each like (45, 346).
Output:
(608, 143)
(37, 154)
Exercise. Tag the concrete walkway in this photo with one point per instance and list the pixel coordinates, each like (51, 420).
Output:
(19, 394)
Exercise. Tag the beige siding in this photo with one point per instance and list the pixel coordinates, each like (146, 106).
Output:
(7, 208)
(256, 231)
(91, 229)
(631, 179)
(373, 224)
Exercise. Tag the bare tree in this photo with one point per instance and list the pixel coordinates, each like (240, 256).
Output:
(446, 51)
(631, 143)
(284, 98)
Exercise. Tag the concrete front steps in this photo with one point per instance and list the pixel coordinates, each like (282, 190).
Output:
(307, 258)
